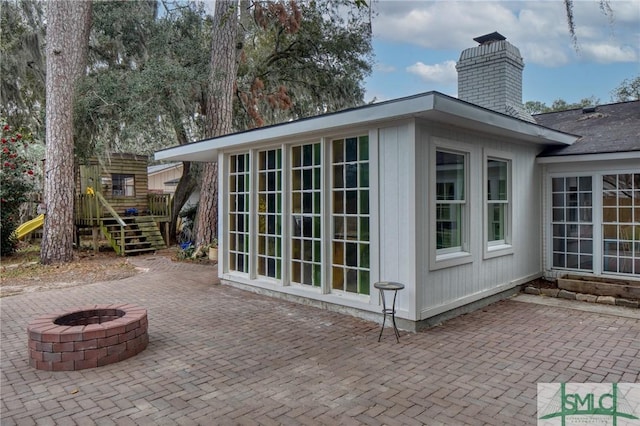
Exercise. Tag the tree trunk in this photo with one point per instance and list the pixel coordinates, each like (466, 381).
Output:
(68, 25)
(186, 185)
(207, 216)
(187, 182)
(224, 69)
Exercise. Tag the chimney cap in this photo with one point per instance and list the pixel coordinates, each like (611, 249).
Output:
(490, 38)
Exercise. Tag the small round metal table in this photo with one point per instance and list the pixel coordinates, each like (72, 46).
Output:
(389, 286)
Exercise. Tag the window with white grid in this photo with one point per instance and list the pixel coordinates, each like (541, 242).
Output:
(621, 223)
(572, 222)
(451, 201)
(239, 202)
(270, 213)
(498, 204)
(350, 215)
(306, 211)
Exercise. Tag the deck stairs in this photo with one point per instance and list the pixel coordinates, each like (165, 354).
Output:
(132, 235)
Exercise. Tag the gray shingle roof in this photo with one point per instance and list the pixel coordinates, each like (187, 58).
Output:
(610, 128)
(160, 167)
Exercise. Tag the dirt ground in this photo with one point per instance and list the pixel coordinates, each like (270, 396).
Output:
(22, 272)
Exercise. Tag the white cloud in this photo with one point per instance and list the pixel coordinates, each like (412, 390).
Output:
(443, 73)
(607, 53)
(549, 56)
(437, 24)
(538, 28)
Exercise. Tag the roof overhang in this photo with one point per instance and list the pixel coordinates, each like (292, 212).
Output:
(579, 158)
(432, 106)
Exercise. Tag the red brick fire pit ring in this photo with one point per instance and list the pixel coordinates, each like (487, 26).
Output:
(87, 337)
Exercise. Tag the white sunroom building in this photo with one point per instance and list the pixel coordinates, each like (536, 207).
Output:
(440, 194)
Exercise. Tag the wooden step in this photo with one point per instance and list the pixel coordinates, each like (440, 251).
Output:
(141, 234)
(140, 251)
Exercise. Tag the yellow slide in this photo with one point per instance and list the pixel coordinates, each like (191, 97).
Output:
(29, 226)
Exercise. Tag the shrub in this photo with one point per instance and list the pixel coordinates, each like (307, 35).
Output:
(16, 181)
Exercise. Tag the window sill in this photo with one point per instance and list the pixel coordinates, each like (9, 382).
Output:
(450, 259)
(498, 250)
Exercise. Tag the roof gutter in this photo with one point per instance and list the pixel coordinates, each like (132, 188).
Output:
(615, 156)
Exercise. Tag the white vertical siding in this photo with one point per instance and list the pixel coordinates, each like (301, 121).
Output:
(401, 237)
(447, 288)
(223, 209)
(396, 212)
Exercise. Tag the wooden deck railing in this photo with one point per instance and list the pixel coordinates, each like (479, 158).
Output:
(119, 248)
(110, 209)
(91, 208)
(88, 209)
(159, 205)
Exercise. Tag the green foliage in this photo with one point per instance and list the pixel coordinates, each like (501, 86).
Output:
(22, 64)
(628, 90)
(537, 107)
(147, 80)
(16, 182)
(148, 83)
(302, 59)
(186, 251)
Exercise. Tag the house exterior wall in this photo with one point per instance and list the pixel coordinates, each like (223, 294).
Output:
(397, 212)
(117, 164)
(481, 273)
(157, 180)
(391, 221)
(592, 240)
(401, 227)
(157, 183)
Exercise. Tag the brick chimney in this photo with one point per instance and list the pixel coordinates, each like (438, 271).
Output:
(490, 75)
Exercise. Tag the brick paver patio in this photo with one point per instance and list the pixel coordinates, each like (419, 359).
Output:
(219, 355)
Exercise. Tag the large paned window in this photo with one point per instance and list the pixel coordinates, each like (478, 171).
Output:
(270, 213)
(497, 201)
(350, 215)
(239, 202)
(572, 222)
(621, 223)
(450, 201)
(306, 210)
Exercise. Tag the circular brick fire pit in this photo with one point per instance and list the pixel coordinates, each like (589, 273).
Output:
(87, 337)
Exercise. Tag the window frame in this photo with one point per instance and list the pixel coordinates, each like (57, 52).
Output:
(504, 246)
(231, 231)
(363, 272)
(632, 211)
(316, 217)
(577, 223)
(367, 269)
(263, 236)
(598, 221)
(448, 257)
(123, 177)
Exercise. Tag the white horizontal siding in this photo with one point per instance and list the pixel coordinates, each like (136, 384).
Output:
(157, 180)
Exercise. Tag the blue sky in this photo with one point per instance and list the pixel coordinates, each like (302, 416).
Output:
(417, 44)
